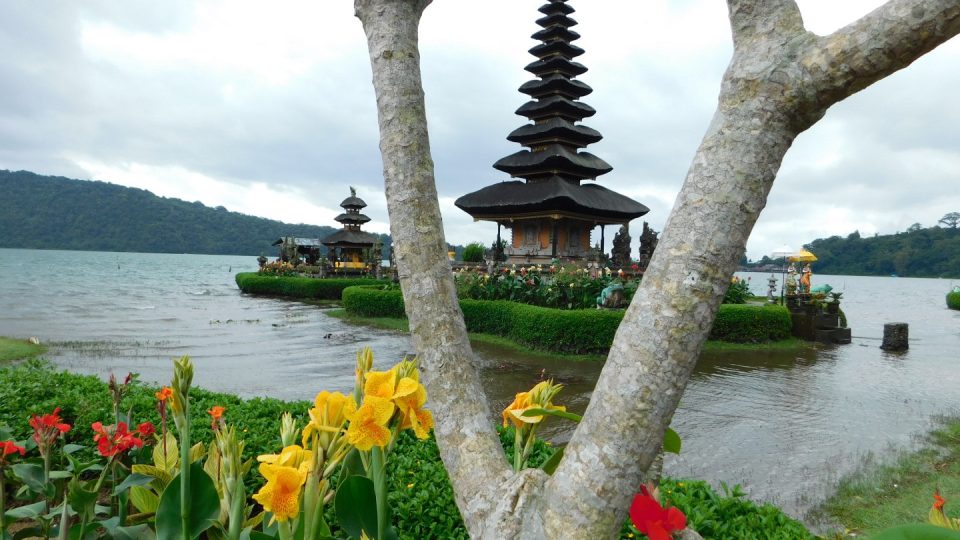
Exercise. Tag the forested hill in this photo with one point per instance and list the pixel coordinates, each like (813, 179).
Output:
(49, 212)
(919, 252)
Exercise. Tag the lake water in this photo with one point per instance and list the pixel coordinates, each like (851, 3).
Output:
(785, 425)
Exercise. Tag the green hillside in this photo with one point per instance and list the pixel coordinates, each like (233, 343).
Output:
(919, 252)
(50, 212)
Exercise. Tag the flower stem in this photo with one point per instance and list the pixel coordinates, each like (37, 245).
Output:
(185, 472)
(378, 474)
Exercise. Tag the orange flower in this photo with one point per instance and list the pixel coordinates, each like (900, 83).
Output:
(216, 416)
(164, 394)
(938, 501)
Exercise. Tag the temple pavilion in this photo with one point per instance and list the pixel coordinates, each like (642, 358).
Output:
(552, 212)
(347, 247)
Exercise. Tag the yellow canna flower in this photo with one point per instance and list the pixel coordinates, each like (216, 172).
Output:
(539, 397)
(387, 385)
(328, 416)
(293, 456)
(368, 425)
(415, 417)
(281, 493)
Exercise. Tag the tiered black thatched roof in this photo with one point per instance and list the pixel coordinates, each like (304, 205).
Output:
(351, 235)
(553, 165)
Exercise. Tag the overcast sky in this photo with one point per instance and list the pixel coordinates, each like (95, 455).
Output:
(267, 108)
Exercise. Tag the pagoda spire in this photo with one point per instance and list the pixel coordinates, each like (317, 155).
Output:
(554, 139)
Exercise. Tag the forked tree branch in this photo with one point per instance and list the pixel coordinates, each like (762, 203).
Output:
(759, 19)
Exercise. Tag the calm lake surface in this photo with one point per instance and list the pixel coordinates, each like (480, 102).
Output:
(785, 425)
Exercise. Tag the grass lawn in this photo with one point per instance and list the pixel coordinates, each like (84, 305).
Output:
(882, 495)
(18, 349)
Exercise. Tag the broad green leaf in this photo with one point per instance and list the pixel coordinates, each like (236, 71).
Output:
(60, 475)
(918, 531)
(81, 499)
(31, 475)
(197, 452)
(71, 448)
(135, 532)
(250, 534)
(134, 479)
(356, 507)
(552, 412)
(550, 465)
(204, 506)
(163, 477)
(30, 511)
(671, 441)
(144, 500)
(167, 462)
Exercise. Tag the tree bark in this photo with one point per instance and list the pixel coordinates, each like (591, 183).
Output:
(780, 81)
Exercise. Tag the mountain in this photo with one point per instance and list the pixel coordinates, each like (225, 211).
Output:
(918, 252)
(52, 212)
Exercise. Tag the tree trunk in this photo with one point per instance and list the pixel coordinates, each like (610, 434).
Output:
(781, 81)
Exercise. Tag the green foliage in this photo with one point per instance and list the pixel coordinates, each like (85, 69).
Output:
(571, 331)
(738, 292)
(931, 252)
(730, 515)
(419, 488)
(52, 212)
(204, 505)
(373, 302)
(751, 324)
(953, 299)
(554, 286)
(299, 287)
(473, 252)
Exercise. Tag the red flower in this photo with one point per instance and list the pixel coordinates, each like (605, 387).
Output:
(47, 428)
(938, 501)
(9, 447)
(113, 440)
(634, 267)
(146, 429)
(653, 520)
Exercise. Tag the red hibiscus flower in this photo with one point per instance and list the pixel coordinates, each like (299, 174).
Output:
(113, 440)
(653, 520)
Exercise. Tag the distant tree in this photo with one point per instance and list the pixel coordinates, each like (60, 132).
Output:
(473, 252)
(951, 220)
(855, 235)
(914, 228)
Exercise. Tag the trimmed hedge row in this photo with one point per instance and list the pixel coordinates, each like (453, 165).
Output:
(953, 299)
(299, 287)
(571, 331)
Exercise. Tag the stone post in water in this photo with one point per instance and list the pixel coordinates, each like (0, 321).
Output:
(895, 337)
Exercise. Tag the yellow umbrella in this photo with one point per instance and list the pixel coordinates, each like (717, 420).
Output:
(803, 256)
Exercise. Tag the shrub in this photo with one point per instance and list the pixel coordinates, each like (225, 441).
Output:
(373, 301)
(738, 323)
(473, 252)
(953, 299)
(571, 331)
(298, 287)
(738, 292)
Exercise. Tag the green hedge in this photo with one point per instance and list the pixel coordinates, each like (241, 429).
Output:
(299, 287)
(571, 331)
(953, 299)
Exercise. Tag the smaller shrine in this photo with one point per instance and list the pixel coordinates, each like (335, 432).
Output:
(351, 248)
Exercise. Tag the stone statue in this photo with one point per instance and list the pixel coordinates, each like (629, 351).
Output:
(791, 279)
(611, 296)
(771, 288)
(648, 243)
(620, 255)
(805, 278)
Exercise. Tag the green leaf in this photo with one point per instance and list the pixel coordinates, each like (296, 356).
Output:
(552, 412)
(550, 465)
(356, 507)
(135, 532)
(144, 500)
(167, 462)
(134, 479)
(81, 499)
(30, 511)
(671, 441)
(204, 506)
(60, 475)
(31, 474)
(71, 448)
(250, 534)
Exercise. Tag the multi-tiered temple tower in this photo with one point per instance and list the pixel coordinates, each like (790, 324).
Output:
(552, 213)
(349, 246)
